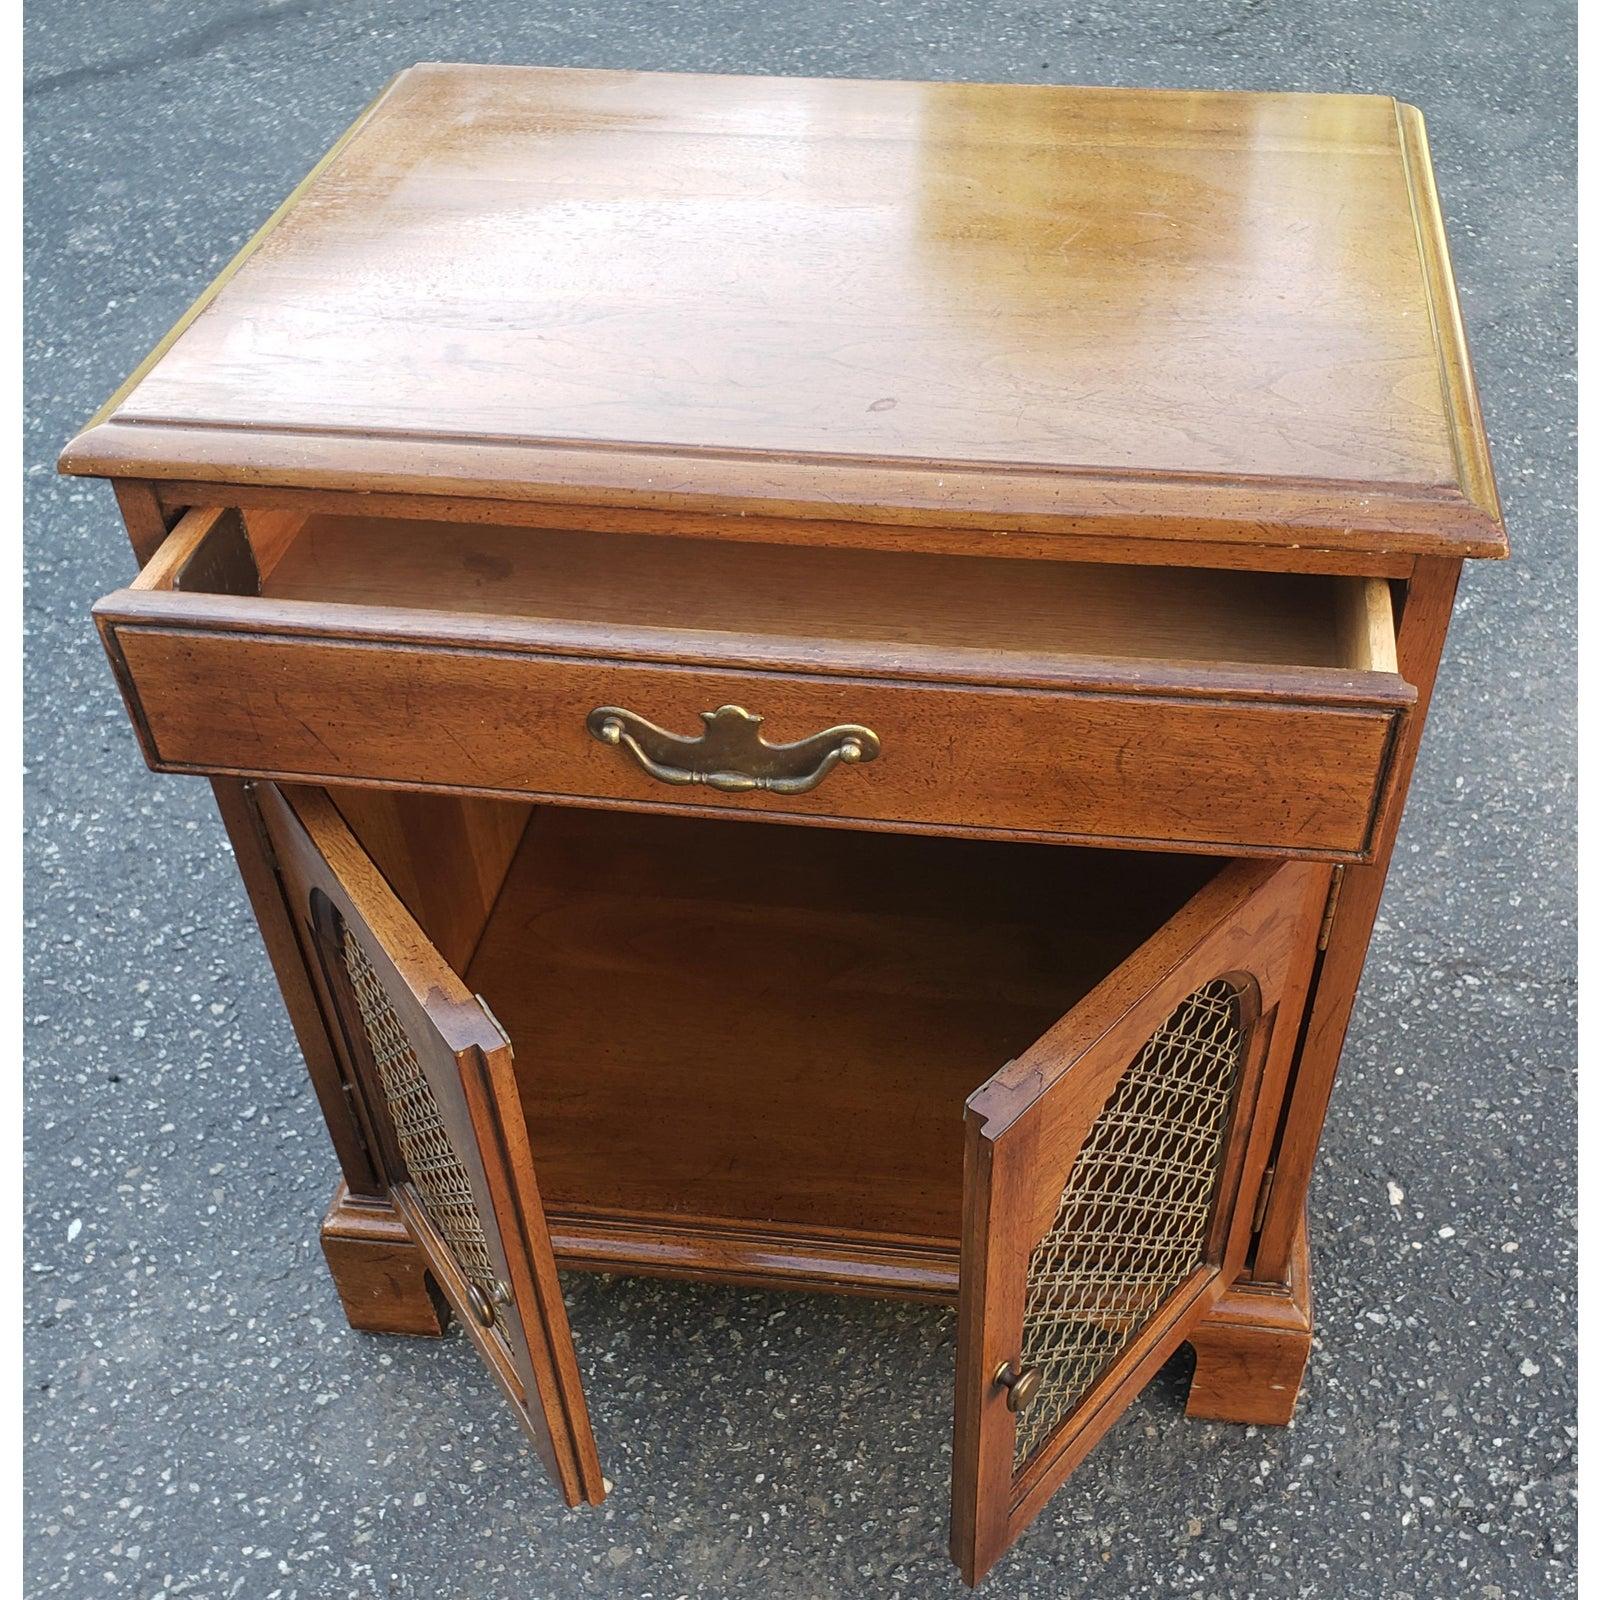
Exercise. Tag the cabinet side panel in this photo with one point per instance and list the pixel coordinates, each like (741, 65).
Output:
(262, 885)
(1420, 642)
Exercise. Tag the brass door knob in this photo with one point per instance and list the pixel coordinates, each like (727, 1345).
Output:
(482, 1305)
(1022, 1388)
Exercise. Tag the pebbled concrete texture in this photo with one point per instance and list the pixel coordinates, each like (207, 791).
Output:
(200, 1422)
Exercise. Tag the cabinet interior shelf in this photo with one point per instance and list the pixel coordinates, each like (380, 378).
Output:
(772, 1031)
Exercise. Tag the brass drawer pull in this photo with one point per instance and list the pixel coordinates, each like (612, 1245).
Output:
(731, 755)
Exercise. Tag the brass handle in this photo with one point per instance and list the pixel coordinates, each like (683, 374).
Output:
(1022, 1388)
(482, 1305)
(731, 755)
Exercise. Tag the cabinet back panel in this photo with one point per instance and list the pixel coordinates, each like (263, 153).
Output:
(782, 1025)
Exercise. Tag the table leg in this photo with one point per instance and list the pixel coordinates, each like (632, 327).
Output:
(382, 1279)
(1251, 1351)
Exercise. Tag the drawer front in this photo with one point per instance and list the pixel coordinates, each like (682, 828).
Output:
(1277, 767)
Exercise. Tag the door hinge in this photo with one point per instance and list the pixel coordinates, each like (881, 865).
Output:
(1326, 930)
(1263, 1195)
(494, 1021)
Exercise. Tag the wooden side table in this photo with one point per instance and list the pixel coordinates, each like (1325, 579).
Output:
(1037, 511)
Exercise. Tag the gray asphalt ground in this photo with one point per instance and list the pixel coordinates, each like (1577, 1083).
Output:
(199, 1420)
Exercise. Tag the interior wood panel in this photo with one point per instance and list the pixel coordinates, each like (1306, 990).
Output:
(272, 531)
(444, 855)
(720, 586)
(173, 496)
(782, 1025)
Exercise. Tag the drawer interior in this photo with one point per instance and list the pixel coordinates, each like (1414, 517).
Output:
(763, 1026)
(813, 593)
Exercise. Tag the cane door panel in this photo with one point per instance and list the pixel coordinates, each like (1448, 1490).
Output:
(1104, 1171)
(433, 1074)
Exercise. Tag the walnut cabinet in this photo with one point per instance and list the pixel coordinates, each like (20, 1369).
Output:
(813, 684)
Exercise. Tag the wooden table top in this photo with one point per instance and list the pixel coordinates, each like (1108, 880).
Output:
(1171, 314)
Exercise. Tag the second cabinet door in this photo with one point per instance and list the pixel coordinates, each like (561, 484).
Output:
(1102, 1170)
(434, 1074)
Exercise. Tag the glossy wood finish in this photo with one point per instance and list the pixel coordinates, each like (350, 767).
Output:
(1425, 619)
(382, 1278)
(468, 1067)
(1252, 1351)
(1181, 314)
(1024, 1129)
(1218, 761)
(360, 1173)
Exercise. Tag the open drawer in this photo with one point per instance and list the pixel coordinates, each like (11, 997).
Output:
(1223, 711)
(742, 1053)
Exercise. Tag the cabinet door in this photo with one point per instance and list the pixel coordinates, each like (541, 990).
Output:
(437, 1093)
(1103, 1170)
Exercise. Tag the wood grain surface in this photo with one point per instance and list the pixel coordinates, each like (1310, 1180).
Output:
(1176, 313)
(928, 601)
(782, 1025)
